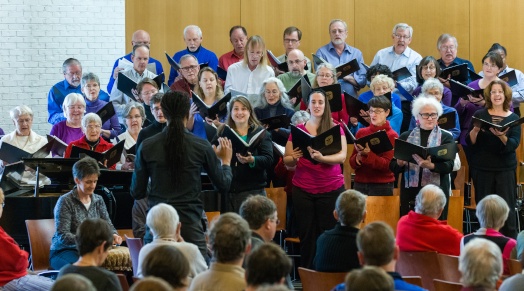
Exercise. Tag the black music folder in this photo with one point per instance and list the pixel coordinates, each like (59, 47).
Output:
(378, 141)
(401, 74)
(58, 147)
(172, 62)
(278, 121)
(275, 62)
(404, 151)
(343, 69)
(126, 85)
(11, 154)
(222, 74)
(239, 145)
(353, 106)
(112, 155)
(296, 91)
(317, 60)
(279, 149)
(327, 143)
(484, 124)
(447, 120)
(510, 78)
(333, 95)
(106, 112)
(473, 76)
(218, 109)
(463, 91)
(458, 73)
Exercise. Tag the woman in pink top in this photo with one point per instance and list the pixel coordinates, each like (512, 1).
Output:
(316, 186)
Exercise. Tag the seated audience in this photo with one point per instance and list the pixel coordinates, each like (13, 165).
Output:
(72, 209)
(492, 212)
(268, 264)
(73, 282)
(91, 126)
(261, 214)
(369, 278)
(135, 115)
(164, 223)
(168, 263)
(72, 70)
(68, 130)
(94, 102)
(513, 283)
(230, 241)
(421, 231)
(151, 283)
(14, 264)
(480, 264)
(93, 239)
(337, 248)
(377, 247)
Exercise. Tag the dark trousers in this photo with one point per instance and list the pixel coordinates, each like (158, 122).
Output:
(58, 259)
(375, 189)
(314, 213)
(406, 115)
(237, 198)
(502, 183)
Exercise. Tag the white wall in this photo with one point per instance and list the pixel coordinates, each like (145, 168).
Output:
(36, 36)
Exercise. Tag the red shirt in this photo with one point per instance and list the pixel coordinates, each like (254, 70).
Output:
(13, 263)
(82, 143)
(228, 59)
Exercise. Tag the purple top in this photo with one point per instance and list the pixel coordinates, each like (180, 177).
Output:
(446, 96)
(65, 133)
(466, 113)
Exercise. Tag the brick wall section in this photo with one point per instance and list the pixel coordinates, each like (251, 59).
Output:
(38, 35)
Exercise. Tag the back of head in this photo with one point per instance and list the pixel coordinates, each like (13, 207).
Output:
(376, 242)
(168, 263)
(492, 211)
(256, 210)
(229, 237)
(268, 264)
(350, 207)
(73, 282)
(430, 201)
(369, 278)
(163, 220)
(480, 263)
(91, 234)
(151, 284)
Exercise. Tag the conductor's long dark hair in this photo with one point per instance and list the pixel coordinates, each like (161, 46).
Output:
(175, 106)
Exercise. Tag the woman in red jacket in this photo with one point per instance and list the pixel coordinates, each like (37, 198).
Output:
(372, 173)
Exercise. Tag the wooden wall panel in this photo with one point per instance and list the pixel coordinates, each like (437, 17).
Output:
(494, 21)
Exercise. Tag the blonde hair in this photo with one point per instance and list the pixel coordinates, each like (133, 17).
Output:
(255, 40)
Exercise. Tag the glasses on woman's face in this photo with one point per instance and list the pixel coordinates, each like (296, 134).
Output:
(327, 76)
(92, 127)
(136, 117)
(429, 68)
(375, 111)
(428, 115)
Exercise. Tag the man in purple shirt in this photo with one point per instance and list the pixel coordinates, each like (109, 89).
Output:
(337, 52)
(72, 70)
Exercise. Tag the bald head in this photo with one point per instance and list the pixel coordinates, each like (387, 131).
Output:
(296, 62)
(140, 37)
(140, 58)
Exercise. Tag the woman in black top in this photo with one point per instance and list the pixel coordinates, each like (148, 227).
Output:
(493, 169)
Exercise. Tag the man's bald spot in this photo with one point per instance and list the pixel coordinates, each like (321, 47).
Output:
(296, 53)
(141, 37)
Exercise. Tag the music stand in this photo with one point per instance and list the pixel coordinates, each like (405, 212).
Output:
(57, 169)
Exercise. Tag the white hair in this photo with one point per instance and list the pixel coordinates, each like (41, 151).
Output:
(403, 26)
(432, 83)
(19, 111)
(430, 200)
(163, 220)
(89, 118)
(480, 263)
(422, 101)
(492, 211)
(193, 27)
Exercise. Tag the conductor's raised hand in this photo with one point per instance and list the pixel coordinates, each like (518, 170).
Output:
(224, 150)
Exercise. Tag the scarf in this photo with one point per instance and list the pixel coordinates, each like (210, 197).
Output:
(412, 174)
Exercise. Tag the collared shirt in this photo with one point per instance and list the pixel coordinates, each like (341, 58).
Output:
(241, 78)
(518, 89)
(55, 99)
(283, 58)
(409, 59)
(153, 65)
(220, 277)
(203, 55)
(289, 80)
(228, 59)
(119, 99)
(329, 53)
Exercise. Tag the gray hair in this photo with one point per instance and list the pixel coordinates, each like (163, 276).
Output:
(91, 117)
(19, 111)
(89, 77)
(163, 220)
(73, 98)
(480, 263)
(492, 211)
(432, 83)
(444, 38)
(284, 99)
(157, 98)
(430, 200)
(350, 207)
(422, 101)
(135, 105)
(193, 27)
(403, 26)
(381, 79)
(329, 67)
(300, 116)
(338, 20)
(70, 62)
(187, 56)
(229, 237)
(73, 282)
(256, 210)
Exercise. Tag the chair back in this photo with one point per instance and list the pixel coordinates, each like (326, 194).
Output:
(347, 170)
(514, 267)
(449, 267)
(423, 264)
(125, 233)
(279, 197)
(212, 215)
(456, 210)
(315, 281)
(441, 285)
(40, 233)
(413, 280)
(123, 282)
(134, 245)
(383, 208)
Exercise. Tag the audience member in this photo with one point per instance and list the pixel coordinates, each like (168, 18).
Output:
(164, 223)
(168, 263)
(193, 40)
(72, 70)
(188, 77)
(73, 282)
(261, 214)
(268, 264)
(238, 38)
(151, 283)
(421, 231)
(230, 240)
(93, 239)
(515, 282)
(369, 278)
(139, 214)
(337, 248)
(480, 264)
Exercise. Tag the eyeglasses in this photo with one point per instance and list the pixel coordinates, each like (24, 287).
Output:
(429, 68)
(496, 92)
(291, 62)
(78, 107)
(428, 115)
(141, 43)
(445, 48)
(274, 219)
(149, 92)
(329, 76)
(258, 54)
(335, 31)
(94, 127)
(25, 120)
(190, 68)
(77, 74)
(134, 117)
(376, 111)
(156, 109)
(287, 40)
(488, 65)
(400, 36)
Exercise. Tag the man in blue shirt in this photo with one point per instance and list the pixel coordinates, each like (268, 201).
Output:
(193, 40)
(337, 52)
(72, 70)
(139, 37)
